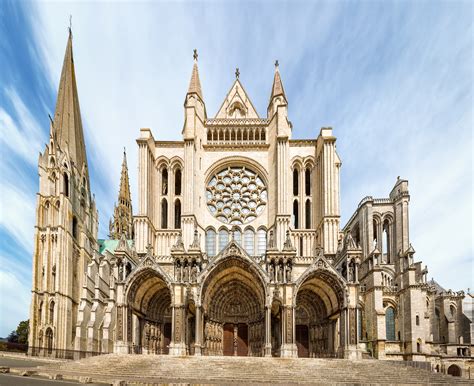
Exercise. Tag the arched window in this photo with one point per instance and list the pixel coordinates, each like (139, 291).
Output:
(295, 214)
(261, 242)
(386, 241)
(418, 346)
(417, 320)
(74, 227)
(237, 236)
(177, 214)
(51, 312)
(375, 233)
(164, 213)
(249, 242)
(390, 323)
(164, 181)
(211, 242)
(45, 214)
(40, 312)
(223, 238)
(308, 214)
(177, 182)
(359, 324)
(295, 182)
(49, 340)
(66, 184)
(452, 309)
(307, 182)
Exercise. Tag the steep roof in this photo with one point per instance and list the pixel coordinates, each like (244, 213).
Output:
(277, 88)
(67, 117)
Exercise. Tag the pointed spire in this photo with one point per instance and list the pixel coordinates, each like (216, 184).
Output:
(124, 193)
(67, 117)
(122, 223)
(277, 88)
(195, 83)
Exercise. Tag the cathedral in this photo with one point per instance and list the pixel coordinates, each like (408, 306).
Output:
(234, 247)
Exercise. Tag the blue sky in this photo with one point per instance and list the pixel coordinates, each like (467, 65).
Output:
(394, 80)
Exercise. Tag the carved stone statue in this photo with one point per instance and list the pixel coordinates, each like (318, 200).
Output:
(178, 272)
(271, 272)
(288, 272)
(193, 274)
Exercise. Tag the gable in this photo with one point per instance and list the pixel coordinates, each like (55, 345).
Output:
(237, 104)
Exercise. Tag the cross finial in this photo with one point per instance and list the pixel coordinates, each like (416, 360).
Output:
(195, 54)
(237, 73)
(70, 23)
(276, 63)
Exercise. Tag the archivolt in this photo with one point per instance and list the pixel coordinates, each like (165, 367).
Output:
(232, 282)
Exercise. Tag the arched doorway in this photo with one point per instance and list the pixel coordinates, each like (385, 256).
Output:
(233, 310)
(454, 370)
(149, 321)
(49, 341)
(319, 301)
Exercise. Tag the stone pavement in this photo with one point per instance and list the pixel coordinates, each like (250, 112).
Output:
(157, 369)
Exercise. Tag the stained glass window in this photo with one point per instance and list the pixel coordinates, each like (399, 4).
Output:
(390, 323)
(211, 242)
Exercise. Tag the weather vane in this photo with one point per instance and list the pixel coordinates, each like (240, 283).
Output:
(276, 63)
(70, 22)
(195, 54)
(237, 73)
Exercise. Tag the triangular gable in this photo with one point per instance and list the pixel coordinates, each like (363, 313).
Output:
(237, 98)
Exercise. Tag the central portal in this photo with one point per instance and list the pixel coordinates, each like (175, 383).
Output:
(233, 310)
(235, 339)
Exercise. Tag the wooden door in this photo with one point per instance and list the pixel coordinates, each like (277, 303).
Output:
(302, 341)
(242, 340)
(166, 338)
(228, 348)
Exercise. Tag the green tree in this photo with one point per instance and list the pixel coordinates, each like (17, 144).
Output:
(22, 331)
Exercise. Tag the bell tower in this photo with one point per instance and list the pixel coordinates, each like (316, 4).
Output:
(66, 224)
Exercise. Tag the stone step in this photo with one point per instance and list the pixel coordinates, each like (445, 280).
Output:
(157, 368)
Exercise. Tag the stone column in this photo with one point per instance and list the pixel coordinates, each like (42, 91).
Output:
(268, 331)
(288, 346)
(198, 333)
(178, 345)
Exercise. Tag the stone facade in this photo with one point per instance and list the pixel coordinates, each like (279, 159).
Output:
(235, 248)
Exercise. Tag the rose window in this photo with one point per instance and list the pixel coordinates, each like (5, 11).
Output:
(236, 195)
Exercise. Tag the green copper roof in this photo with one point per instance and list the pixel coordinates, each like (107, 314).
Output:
(110, 245)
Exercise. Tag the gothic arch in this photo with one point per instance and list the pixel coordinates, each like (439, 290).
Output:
(143, 280)
(332, 282)
(237, 161)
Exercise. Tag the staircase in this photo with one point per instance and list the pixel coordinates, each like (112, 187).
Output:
(150, 369)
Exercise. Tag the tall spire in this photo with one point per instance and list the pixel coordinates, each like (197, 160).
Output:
(122, 223)
(195, 83)
(67, 117)
(277, 88)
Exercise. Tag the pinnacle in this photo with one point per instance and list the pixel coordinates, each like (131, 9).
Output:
(195, 83)
(277, 88)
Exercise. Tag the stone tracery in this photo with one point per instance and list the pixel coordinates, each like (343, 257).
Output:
(236, 195)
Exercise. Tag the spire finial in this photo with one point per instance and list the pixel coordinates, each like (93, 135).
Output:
(70, 24)
(195, 55)
(237, 73)
(276, 63)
